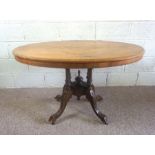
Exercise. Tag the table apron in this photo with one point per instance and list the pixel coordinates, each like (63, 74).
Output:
(77, 65)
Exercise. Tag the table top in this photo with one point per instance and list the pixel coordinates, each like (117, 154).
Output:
(78, 54)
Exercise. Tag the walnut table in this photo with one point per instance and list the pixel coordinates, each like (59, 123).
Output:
(78, 54)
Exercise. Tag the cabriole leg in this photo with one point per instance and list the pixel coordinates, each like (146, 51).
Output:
(66, 95)
(92, 98)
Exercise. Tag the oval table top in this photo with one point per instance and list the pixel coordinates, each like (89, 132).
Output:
(78, 54)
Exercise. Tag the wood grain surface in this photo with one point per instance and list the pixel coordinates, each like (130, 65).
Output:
(78, 54)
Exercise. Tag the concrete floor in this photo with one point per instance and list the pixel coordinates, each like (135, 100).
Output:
(130, 110)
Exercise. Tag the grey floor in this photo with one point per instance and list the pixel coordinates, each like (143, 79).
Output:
(131, 110)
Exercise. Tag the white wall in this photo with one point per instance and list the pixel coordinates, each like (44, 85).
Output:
(16, 33)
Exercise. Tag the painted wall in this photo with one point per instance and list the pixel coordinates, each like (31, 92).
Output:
(16, 33)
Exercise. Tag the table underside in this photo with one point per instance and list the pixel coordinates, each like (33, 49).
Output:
(78, 88)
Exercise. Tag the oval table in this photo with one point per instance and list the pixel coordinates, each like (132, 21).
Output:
(78, 54)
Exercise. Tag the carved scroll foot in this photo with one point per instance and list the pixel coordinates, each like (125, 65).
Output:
(67, 94)
(92, 99)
